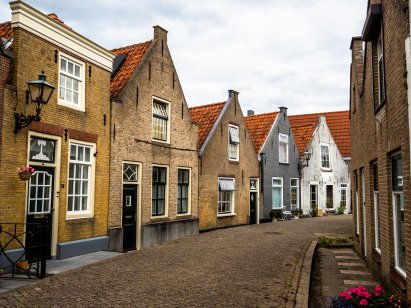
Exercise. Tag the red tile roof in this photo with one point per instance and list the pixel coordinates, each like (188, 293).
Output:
(134, 55)
(6, 31)
(56, 18)
(259, 126)
(302, 136)
(205, 116)
(338, 123)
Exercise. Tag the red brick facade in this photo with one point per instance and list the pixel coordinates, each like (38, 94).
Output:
(379, 131)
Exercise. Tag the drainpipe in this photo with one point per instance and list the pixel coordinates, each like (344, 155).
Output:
(408, 65)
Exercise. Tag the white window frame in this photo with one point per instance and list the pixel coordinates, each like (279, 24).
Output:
(91, 187)
(232, 201)
(282, 192)
(380, 68)
(286, 143)
(189, 192)
(321, 156)
(168, 108)
(233, 144)
(376, 222)
(81, 106)
(344, 187)
(298, 191)
(166, 191)
(400, 270)
(357, 214)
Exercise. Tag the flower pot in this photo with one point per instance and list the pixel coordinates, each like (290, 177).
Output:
(22, 266)
(25, 176)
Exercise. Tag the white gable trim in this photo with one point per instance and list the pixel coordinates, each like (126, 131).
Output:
(271, 129)
(215, 125)
(29, 19)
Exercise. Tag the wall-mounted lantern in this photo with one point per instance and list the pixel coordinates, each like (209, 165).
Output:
(39, 93)
(304, 161)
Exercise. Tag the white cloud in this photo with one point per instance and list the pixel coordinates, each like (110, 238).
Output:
(291, 53)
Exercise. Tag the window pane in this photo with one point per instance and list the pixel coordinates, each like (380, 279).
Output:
(76, 203)
(294, 182)
(80, 153)
(73, 153)
(87, 154)
(277, 182)
(277, 197)
(71, 187)
(77, 71)
(84, 203)
(400, 240)
(46, 206)
(85, 188)
(63, 65)
(70, 204)
(160, 207)
(86, 172)
(77, 187)
(70, 68)
(32, 206)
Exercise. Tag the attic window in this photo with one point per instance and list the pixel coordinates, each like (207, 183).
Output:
(160, 127)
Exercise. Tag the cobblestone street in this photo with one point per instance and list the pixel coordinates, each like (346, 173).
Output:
(243, 266)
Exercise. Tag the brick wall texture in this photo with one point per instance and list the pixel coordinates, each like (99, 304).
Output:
(31, 56)
(376, 133)
(132, 135)
(214, 163)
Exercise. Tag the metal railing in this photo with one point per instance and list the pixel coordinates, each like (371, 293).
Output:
(18, 260)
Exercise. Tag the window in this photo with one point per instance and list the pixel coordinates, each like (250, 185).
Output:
(158, 197)
(313, 196)
(398, 214)
(357, 210)
(343, 199)
(325, 156)
(40, 187)
(160, 129)
(130, 173)
(294, 193)
(277, 201)
(381, 72)
(80, 175)
(183, 193)
(71, 83)
(226, 190)
(233, 142)
(283, 148)
(376, 207)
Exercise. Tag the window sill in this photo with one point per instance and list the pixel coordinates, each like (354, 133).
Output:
(183, 215)
(326, 169)
(159, 218)
(234, 162)
(226, 215)
(162, 142)
(283, 163)
(78, 107)
(79, 216)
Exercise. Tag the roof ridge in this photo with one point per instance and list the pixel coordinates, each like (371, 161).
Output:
(319, 113)
(132, 45)
(207, 105)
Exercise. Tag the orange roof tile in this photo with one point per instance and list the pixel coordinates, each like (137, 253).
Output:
(134, 55)
(259, 127)
(205, 116)
(338, 123)
(56, 18)
(6, 31)
(302, 136)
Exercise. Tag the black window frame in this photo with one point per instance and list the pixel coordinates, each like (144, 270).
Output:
(156, 185)
(182, 184)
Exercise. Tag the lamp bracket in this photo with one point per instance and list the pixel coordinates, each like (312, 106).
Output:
(22, 121)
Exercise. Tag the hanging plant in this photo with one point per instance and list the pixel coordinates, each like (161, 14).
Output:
(25, 172)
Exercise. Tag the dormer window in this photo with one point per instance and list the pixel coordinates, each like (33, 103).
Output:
(233, 143)
(71, 83)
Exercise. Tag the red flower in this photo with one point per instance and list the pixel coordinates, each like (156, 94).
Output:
(363, 302)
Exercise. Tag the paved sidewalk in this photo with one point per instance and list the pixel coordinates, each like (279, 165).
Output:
(57, 267)
(256, 265)
(334, 271)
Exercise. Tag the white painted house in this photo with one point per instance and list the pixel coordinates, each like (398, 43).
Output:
(326, 178)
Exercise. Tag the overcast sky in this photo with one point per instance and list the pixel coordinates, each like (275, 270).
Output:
(292, 53)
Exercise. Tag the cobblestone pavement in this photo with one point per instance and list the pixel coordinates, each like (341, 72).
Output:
(243, 266)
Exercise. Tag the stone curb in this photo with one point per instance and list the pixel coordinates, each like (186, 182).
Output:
(303, 287)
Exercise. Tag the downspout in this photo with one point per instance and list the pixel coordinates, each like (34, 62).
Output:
(408, 66)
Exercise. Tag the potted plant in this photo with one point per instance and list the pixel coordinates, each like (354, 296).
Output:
(314, 210)
(25, 172)
(276, 214)
(297, 213)
(341, 208)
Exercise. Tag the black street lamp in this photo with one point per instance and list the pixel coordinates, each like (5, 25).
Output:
(302, 163)
(39, 92)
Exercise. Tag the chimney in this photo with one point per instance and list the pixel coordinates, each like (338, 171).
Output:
(250, 113)
(160, 33)
(283, 110)
(357, 60)
(232, 93)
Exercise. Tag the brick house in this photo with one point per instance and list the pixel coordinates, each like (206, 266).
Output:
(68, 145)
(380, 143)
(278, 155)
(154, 163)
(228, 166)
(325, 181)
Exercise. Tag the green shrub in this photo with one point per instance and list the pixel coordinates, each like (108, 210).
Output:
(325, 241)
(276, 213)
(314, 210)
(341, 208)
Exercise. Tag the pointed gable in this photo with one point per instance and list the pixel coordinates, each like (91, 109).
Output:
(134, 55)
(205, 116)
(338, 122)
(259, 127)
(302, 136)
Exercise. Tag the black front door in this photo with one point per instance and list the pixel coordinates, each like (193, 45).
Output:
(39, 213)
(129, 216)
(253, 207)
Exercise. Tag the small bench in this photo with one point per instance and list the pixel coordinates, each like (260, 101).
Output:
(330, 210)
